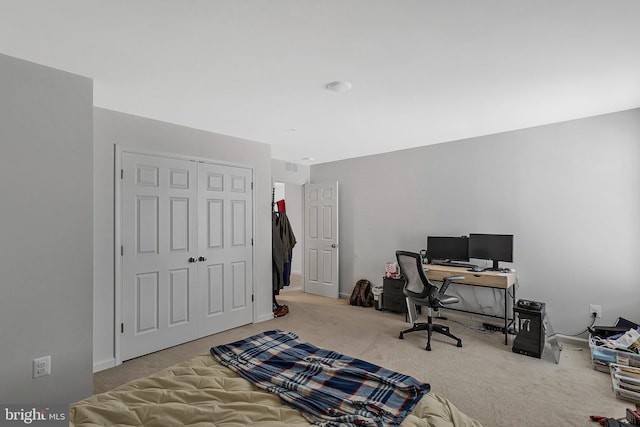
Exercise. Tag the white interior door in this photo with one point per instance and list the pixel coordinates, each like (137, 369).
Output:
(159, 246)
(225, 273)
(321, 239)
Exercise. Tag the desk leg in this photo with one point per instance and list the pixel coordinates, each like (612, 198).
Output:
(506, 317)
(513, 306)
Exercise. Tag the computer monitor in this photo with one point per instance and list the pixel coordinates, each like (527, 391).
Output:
(448, 248)
(494, 247)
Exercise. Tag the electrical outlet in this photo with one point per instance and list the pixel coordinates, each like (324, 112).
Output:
(595, 309)
(41, 366)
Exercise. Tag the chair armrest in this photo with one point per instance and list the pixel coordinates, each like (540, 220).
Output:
(447, 281)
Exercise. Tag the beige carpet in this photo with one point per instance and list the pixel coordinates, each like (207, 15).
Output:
(484, 378)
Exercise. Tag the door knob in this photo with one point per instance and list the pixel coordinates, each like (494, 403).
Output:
(202, 258)
(193, 259)
(334, 245)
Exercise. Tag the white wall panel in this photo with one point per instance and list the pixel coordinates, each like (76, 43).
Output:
(47, 233)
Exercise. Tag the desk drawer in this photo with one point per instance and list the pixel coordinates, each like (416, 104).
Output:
(394, 303)
(393, 287)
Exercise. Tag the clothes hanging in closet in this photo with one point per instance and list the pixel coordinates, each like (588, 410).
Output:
(283, 242)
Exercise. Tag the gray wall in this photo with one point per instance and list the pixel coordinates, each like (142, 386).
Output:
(291, 173)
(294, 195)
(569, 192)
(46, 232)
(137, 132)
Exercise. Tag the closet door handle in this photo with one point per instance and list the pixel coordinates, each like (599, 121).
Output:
(193, 259)
(334, 245)
(202, 258)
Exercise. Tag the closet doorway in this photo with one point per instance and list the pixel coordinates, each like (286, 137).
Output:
(292, 195)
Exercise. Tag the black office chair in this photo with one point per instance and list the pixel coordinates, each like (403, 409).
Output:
(420, 291)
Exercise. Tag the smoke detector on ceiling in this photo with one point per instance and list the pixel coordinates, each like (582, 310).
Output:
(339, 86)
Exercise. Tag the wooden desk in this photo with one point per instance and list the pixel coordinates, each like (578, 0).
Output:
(489, 279)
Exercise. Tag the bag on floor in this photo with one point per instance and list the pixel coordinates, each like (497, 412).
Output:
(362, 294)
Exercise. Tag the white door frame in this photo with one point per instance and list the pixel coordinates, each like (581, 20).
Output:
(118, 150)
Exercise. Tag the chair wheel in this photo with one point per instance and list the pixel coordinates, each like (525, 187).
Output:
(401, 336)
(459, 344)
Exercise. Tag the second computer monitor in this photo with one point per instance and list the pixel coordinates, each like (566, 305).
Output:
(494, 247)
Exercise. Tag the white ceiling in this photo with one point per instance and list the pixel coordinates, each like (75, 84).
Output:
(423, 71)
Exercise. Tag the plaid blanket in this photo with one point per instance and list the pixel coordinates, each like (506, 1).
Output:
(329, 388)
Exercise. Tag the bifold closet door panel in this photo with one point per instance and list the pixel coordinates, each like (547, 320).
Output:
(225, 273)
(159, 242)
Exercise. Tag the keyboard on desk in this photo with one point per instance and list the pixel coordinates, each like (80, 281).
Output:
(454, 264)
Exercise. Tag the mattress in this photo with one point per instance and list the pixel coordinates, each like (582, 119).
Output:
(202, 392)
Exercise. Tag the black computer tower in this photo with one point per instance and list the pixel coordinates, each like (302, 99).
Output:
(531, 335)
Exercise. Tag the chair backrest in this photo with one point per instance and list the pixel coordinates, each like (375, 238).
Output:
(416, 283)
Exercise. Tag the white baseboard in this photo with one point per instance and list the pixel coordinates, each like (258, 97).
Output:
(105, 364)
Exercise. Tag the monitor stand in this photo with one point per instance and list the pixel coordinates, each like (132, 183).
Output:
(494, 268)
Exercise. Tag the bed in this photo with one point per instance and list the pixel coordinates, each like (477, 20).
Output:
(204, 392)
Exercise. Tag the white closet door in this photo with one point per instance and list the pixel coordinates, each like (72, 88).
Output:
(158, 239)
(225, 273)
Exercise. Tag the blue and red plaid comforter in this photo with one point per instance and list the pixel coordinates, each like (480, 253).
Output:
(328, 388)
